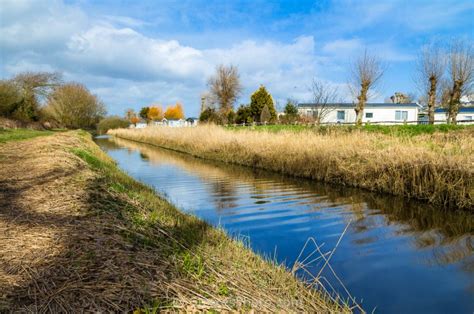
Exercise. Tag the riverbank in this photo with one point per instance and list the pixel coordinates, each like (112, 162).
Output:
(436, 168)
(79, 234)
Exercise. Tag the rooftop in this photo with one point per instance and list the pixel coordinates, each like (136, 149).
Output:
(367, 105)
(461, 110)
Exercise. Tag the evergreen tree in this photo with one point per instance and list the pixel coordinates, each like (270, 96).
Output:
(259, 99)
(243, 115)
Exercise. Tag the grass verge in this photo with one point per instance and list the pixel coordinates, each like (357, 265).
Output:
(79, 234)
(436, 168)
(7, 135)
(394, 130)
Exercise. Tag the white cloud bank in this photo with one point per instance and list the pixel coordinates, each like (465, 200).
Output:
(128, 69)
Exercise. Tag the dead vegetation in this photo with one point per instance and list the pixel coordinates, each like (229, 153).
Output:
(77, 234)
(437, 168)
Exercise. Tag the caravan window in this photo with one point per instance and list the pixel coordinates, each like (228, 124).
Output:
(341, 115)
(401, 115)
(369, 114)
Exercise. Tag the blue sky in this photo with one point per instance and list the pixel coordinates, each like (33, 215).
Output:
(137, 53)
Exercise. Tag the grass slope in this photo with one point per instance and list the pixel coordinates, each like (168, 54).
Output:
(79, 234)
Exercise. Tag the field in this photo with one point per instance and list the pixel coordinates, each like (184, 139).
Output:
(7, 135)
(78, 234)
(435, 166)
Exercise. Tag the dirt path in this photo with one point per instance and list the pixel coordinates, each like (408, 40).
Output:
(56, 254)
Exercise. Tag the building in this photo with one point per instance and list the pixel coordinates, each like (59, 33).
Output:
(465, 115)
(191, 121)
(382, 113)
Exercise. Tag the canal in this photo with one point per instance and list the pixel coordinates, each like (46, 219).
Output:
(395, 256)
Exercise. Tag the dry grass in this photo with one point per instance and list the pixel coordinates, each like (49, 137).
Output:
(78, 234)
(437, 168)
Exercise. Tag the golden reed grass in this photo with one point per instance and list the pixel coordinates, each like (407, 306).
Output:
(436, 168)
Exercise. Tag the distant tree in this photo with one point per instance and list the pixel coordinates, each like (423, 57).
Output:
(174, 112)
(210, 115)
(35, 87)
(243, 115)
(134, 120)
(144, 113)
(225, 87)
(324, 97)
(75, 107)
(402, 98)
(231, 117)
(113, 122)
(259, 99)
(366, 72)
(461, 70)
(129, 114)
(430, 67)
(155, 113)
(10, 97)
(291, 111)
(291, 108)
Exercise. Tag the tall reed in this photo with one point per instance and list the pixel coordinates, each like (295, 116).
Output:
(437, 168)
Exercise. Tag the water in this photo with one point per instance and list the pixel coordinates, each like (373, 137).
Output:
(395, 257)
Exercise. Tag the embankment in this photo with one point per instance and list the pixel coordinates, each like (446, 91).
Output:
(437, 168)
(78, 234)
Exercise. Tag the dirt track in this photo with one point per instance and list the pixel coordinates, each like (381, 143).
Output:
(55, 254)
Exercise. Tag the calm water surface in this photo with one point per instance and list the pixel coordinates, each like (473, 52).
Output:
(395, 257)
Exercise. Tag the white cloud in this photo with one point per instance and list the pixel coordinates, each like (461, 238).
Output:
(127, 68)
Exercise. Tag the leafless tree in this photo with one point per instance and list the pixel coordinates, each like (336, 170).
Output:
(402, 98)
(225, 87)
(324, 98)
(430, 67)
(38, 83)
(366, 72)
(461, 71)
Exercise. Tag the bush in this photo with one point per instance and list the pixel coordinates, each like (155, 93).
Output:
(243, 115)
(75, 107)
(110, 123)
(10, 98)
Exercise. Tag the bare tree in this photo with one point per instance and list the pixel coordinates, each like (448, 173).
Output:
(461, 70)
(366, 72)
(402, 98)
(324, 98)
(225, 87)
(34, 87)
(430, 68)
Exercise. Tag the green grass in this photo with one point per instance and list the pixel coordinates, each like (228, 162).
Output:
(7, 135)
(396, 130)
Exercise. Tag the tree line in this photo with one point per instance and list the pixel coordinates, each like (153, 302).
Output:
(444, 74)
(44, 97)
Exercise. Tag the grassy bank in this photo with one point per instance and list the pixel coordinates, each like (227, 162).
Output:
(7, 135)
(437, 168)
(78, 234)
(395, 130)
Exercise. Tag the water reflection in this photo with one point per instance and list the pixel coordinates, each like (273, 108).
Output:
(397, 255)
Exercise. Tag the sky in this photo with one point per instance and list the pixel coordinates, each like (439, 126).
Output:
(137, 53)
